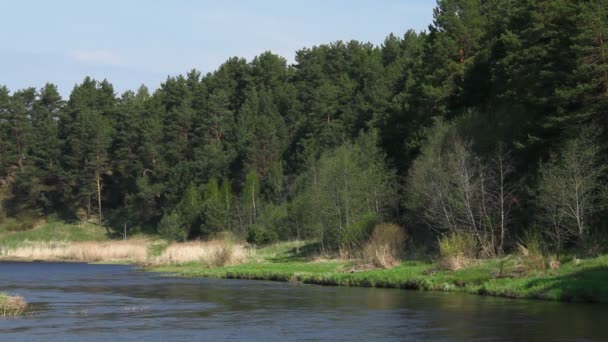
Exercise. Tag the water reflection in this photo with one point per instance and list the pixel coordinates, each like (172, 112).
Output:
(73, 302)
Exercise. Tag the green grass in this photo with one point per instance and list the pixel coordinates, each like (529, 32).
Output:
(53, 231)
(586, 281)
(157, 248)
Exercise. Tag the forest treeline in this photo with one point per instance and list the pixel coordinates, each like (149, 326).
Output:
(492, 123)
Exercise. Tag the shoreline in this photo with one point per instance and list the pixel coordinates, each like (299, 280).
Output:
(575, 283)
(422, 277)
(513, 276)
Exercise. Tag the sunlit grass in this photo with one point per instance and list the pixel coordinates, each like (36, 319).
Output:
(53, 231)
(585, 280)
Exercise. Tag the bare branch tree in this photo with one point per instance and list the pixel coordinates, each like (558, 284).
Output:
(456, 191)
(570, 189)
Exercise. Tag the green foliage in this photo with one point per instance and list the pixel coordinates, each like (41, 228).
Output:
(21, 222)
(260, 235)
(53, 231)
(347, 184)
(214, 216)
(189, 209)
(275, 218)
(172, 227)
(359, 232)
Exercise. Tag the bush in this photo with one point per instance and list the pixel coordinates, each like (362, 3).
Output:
(172, 228)
(385, 246)
(20, 223)
(457, 250)
(356, 235)
(12, 305)
(532, 251)
(275, 218)
(261, 236)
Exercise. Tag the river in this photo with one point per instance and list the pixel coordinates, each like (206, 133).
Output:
(78, 302)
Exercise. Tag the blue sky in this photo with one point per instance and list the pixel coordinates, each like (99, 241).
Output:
(131, 42)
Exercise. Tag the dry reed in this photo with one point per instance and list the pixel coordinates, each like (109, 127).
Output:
(11, 306)
(385, 246)
(213, 253)
(457, 251)
(82, 251)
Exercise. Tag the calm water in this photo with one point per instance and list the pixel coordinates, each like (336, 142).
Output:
(77, 302)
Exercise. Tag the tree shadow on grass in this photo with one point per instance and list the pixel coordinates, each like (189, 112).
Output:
(303, 253)
(587, 285)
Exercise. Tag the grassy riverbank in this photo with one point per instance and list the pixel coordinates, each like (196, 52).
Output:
(11, 306)
(582, 281)
(297, 262)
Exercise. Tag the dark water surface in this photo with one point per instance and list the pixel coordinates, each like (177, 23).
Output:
(80, 302)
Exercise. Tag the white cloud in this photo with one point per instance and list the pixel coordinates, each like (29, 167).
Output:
(98, 57)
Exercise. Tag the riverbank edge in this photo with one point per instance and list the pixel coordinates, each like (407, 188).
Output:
(410, 275)
(576, 283)
(512, 276)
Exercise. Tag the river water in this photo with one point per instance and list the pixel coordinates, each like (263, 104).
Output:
(80, 302)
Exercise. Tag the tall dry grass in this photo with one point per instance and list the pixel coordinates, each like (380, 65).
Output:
(457, 250)
(385, 246)
(213, 253)
(11, 306)
(91, 251)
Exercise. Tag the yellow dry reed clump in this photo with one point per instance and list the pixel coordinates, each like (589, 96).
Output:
(81, 251)
(457, 251)
(385, 246)
(213, 253)
(11, 306)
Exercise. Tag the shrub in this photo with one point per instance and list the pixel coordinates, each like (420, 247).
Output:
(172, 228)
(20, 223)
(385, 246)
(12, 305)
(532, 251)
(260, 236)
(356, 235)
(275, 218)
(457, 250)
